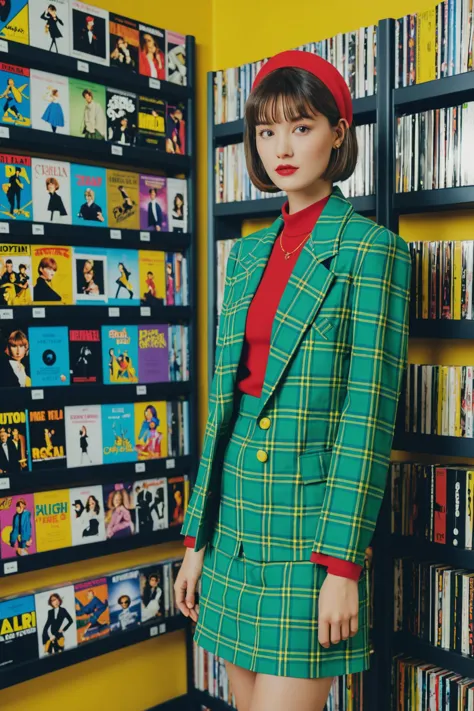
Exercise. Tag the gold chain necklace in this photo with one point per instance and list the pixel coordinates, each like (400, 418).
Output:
(288, 254)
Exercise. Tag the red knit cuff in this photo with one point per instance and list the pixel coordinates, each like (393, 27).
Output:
(189, 541)
(338, 566)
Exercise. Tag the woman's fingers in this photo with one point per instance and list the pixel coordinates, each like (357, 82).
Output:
(184, 595)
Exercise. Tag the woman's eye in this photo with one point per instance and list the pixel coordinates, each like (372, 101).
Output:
(265, 133)
(302, 129)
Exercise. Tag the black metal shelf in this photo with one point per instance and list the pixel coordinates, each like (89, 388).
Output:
(37, 480)
(115, 77)
(80, 236)
(202, 697)
(436, 94)
(412, 546)
(270, 207)
(434, 444)
(442, 328)
(75, 554)
(27, 140)
(95, 314)
(9, 676)
(402, 642)
(442, 200)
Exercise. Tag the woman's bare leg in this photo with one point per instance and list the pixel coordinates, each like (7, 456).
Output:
(282, 693)
(242, 682)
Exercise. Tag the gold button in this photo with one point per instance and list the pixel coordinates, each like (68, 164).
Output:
(265, 423)
(262, 456)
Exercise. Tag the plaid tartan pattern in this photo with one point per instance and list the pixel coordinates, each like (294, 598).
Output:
(337, 355)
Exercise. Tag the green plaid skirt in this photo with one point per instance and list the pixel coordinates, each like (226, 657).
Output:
(264, 616)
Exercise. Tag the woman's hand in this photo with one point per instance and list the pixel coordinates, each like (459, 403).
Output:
(186, 581)
(338, 610)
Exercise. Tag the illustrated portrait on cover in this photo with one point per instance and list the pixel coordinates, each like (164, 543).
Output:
(17, 537)
(84, 439)
(15, 95)
(53, 26)
(50, 25)
(56, 619)
(16, 188)
(152, 52)
(124, 601)
(49, 102)
(90, 33)
(13, 442)
(151, 587)
(14, 358)
(92, 609)
(15, 273)
(118, 504)
(14, 21)
(123, 43)
(87, 514)
(151, 432)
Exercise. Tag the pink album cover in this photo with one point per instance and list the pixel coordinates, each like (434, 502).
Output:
(17, 526)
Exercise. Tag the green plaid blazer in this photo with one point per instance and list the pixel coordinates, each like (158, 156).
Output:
(337, 356)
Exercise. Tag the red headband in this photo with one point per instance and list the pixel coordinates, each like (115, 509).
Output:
(321, 69)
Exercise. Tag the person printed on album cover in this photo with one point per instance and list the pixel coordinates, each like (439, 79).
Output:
(94, 608)
(151, 598)
(178, 509)
(57, 623)
(149, 434)
(13, 285)
(90, 287)
(87, 40)
(118, 520)
(121, 132)
(126, 618)
(43, 291)
(88, 516)
(175, 366)
(84, 444)
(50, 16)
(81, 367)
(120, 211)
(14, 191)
(9, 454)
(155, 213)
(173, 131)
(53, 114)
(55, 203)
(158, 506)
(5, 9)
(152, 57)
(20, 536)
(121, 55)
(14, 95)
(150, 293)
(143, 501)
(169, 284)
(177, 212)
(89, 210)
(123, 280)
(12, 369)
(94, 124)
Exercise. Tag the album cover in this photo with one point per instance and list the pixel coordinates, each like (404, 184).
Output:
(49, 358)
(83, 435)
(17, 526)
(177, 194)
(14, 356)
(151, 430)
(176, 69)
(51, 190)
(174, 439)
(50, 25)
(124, 600)
(153, 353)
(87, 514)
(152, 277)
(49, 102)
(92, 609)
(89, 195)
(90, 275)
(52, 520)
(14, 21)
(151, 505)
(56, 620)
(87, 109)
(47, 439)
(120, 354)
(151, 122)
(85, 356)
(15, 94)
(152, 593)
(124, 42)
(176, 128)
(15, 275)
(152, 55)
(123, 277)
(153, 203)
(122, 199)
(175, 352)
(122, 117)
(175, 265)
(119, 508)
(13, 441)
(89, 33)
(52, 275)
(16, 202)
(117, 433)
(17, 631)
(178, 492)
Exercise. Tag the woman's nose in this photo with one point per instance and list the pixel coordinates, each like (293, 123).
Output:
(283, 146)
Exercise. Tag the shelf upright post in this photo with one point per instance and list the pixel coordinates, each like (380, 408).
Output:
(211, 231)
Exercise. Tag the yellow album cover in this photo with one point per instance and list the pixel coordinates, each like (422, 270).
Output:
(52, 520)
(151, 430)
(122, 200)
(52, 275)
(14, 21)
(15, 275)
(152, 277)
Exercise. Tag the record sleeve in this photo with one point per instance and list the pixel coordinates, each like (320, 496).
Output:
(16, 197)
(87, 514)
(14, 357)
(153, 353)
(17, 526)
(151, 505)
(87, 110)
(176, 129)
(120, 354)
(89, 195)
(124, 43)
(13, 441)
(124, 600)
(119, 509)
(56, 620)
(152, 277)
(92, 609)
(85, 356)
(151, 430)
(52, 275)
(49, 25)
(117, 433)
(47, 438)
(122, 117)
(15, 94)
(152, 53)
(52, 520)
(83, 435)
(177, 195)
(14, 21)
(176, 69)
(122, 199)
(50, 103)
(90, 275)
(152, 593)
(51, 190)
(89, 33)
(153, 203)
(49, 357)
(17, 631)
(123, 277)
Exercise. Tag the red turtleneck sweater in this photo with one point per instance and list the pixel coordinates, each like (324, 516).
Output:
(258, 330)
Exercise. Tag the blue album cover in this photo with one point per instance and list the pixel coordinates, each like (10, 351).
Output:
(15, 95)
(124, 600)
(89, 195)
(18, 631)
(120, 354)
(49, 356)
(123, 281)
(118, 422)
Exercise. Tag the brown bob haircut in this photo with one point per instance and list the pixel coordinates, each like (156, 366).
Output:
(302, 94)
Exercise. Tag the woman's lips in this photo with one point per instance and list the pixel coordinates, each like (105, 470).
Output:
(286, 170)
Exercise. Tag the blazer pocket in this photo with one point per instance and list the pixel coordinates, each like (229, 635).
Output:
(322, 326)
(314, 466)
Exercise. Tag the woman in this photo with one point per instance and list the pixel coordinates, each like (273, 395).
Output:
(57, 623)
(84, 444)
(124, 281)
(152, 57)
(55, 202)
(302, 407)
(14, 361)
(50, 16)
(91, 517)
(118, 520)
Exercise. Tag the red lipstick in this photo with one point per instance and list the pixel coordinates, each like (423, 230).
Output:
(286, 169)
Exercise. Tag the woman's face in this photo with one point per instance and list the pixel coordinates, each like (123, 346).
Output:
(117, 500)
(47, 273)
(179, 202)
(90, 503)
(304, 145)
(148, 414)
(54, 601)
(150, 43)
(17, 351)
